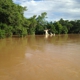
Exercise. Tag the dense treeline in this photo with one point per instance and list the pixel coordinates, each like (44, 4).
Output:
(13, 22)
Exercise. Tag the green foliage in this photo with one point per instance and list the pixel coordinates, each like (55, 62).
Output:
(58, 27)
(32, 25)
(40, 29)
(6, 30)
(51, 27)
(21, 31)
(41, 23)
(2, 33)
(64, 30)
(11, 18)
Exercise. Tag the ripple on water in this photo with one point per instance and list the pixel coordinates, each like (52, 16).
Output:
(28, 55)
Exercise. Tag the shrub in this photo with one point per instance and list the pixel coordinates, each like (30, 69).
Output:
(2, 33)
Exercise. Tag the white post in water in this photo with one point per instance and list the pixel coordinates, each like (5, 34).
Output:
(51, 34)
(46, 33)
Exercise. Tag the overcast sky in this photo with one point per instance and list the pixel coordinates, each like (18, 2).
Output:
(56, 9)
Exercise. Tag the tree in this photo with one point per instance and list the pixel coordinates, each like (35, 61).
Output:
(64, 30)
(12, 18)
(51, 27)
(32, 25)
(41, 23)
(58, 27)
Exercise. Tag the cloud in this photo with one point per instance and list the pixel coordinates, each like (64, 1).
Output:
(56, 9)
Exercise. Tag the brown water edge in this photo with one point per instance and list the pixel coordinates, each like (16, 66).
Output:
(40, 58)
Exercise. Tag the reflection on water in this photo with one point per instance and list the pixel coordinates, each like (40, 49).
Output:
(40, 58)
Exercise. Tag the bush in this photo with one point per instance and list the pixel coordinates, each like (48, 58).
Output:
(2, 33)
(21, 31)
(8, 31)
(5, 30)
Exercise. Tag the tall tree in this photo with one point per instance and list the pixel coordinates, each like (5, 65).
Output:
(58, 27)
(41, 23)
(32, 25)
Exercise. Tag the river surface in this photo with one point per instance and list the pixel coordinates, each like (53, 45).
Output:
(40, 58)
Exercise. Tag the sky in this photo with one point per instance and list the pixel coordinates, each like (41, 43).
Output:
(55, 9)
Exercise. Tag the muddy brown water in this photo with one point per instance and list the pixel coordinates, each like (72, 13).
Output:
(40, 58)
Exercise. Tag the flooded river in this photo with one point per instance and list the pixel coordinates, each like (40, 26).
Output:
(40, 58)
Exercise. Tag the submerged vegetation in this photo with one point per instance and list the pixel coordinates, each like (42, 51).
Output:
(13, 22)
